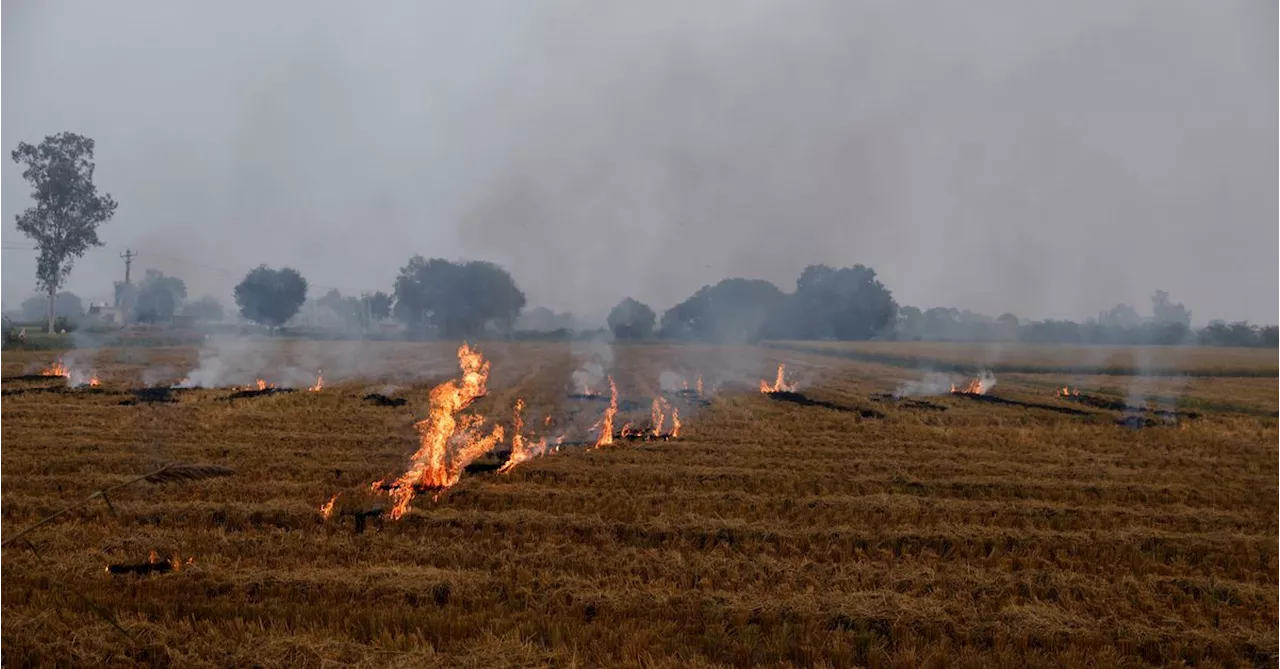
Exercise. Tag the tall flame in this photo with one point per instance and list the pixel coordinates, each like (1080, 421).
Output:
(432, 467)
(55, 369)
(319, 382)
(675, 422)
(521, 448)
(657, 416)
(327, 509)
(263, 385)
(606, 424)
(780, 384)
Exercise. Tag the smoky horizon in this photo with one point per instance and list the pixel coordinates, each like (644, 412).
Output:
(1047, 159)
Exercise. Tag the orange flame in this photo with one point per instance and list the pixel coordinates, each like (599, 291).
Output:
(1066, 391)
(675, 422)
(263, 385)
(432, 465)
(974, 387)
(606, 424)
(657, 416)
(779, 385)
(319, 382)
(56, 369)
(94, 382)
(521, 449)
(699, 385)
(326, 509)
(152, 559)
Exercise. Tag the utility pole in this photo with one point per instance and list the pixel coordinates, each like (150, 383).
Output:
(126, 303)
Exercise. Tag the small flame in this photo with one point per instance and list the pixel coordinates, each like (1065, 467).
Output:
(699, 385)
(152, 559)
(779, 385)
(326, 509)
(978, 386)
(521, 449)
(263, 385)
(94, 382)
(606, 424)
(319, 382)
(56, 369)
(1067, 392)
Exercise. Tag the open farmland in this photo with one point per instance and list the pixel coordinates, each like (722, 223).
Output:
(928, 531)
(1205, 361)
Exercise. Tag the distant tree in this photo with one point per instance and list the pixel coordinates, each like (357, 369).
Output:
(542, 319)
(910, 325)
(331, 300)
(1241, 333)
(158, 297)
(1269, 336)
(631, 320)
(1164, 311)
(941, 323)
(64, 221)
(844, 303)
(271, 296)
(204, 310)
(455, 300)
(1007, 319)
(379, 305)
(734, 310)
(66, 305)
(1120, 316)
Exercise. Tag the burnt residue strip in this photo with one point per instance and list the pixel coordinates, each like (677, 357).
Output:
(991, 399)
(804, 400)
(246, 394)
(384, 401)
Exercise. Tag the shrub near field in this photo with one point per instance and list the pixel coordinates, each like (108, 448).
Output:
(971, 535)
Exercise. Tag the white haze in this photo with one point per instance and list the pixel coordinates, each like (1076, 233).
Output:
(1044, 158)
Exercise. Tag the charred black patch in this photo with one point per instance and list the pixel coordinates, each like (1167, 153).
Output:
(805, 400)
(247, 394)
(384, 401)
(688, 396)
(363, 517)
(58, 390)
(908, 402)
(153, 395)
(31, 377)
(646, 435)
(1116, 405)
(992, 399)
(141, 568)
(588, 397)
(482, 467)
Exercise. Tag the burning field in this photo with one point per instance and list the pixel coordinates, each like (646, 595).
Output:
(517, 506)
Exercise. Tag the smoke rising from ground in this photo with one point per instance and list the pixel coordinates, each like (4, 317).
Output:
(1048, 159)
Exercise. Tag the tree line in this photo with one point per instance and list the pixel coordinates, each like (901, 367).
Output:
(438, 298)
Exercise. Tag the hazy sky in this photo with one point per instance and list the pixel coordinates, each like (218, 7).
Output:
(1045, 158)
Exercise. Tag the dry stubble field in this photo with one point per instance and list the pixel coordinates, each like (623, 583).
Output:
(957, 532)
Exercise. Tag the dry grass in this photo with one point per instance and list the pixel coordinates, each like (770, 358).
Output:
(983, 536)
(1051, 358)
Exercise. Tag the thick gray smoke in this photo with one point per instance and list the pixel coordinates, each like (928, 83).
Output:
(1044, 158)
